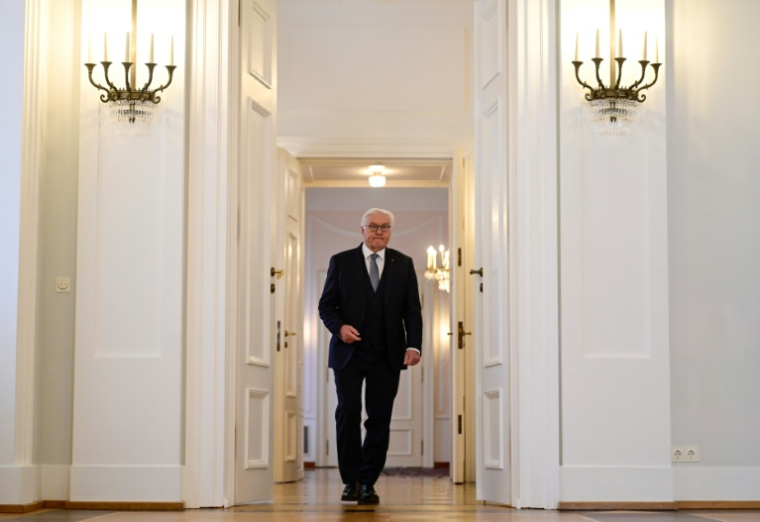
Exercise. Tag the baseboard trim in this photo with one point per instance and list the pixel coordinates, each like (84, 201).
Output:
(54, 504)
(718, 504)
(309, 465)
(627, 506)
(441, 465)
(20, 508)
(127, 506)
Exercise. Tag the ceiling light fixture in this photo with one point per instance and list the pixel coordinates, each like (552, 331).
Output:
(377, 179)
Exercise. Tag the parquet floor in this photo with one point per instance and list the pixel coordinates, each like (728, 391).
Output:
(414, 499)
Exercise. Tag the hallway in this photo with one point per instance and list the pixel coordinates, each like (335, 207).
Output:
(418, 499)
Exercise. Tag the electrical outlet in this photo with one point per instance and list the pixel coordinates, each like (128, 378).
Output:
(684, 454)
(62, 284)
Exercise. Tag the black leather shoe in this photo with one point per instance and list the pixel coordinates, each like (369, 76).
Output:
(350, 492)
(367, 495)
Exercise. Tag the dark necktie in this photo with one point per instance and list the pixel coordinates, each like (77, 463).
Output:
(374, 273)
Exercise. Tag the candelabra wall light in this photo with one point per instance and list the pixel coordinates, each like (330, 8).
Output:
(614, 105)
(439, 273)
(131, 106)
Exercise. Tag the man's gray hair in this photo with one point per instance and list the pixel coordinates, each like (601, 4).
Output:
(371, 211)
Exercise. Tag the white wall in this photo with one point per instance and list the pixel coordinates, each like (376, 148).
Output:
(57, 252)
(367, 73)
(421, 220)
(128, 393)
(614, 276)
(12, 25)
(713, 159)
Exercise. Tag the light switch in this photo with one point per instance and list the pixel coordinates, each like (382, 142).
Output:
(62, 284)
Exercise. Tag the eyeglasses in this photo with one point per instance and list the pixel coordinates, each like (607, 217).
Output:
(375, 228)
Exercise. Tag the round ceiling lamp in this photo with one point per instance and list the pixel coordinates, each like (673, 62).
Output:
(377, 179)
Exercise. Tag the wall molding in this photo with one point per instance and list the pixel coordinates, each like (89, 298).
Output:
(20, 508)
(125, 484)
(306, 147)
(532, 145)
(609, 506)
(617, 484)
(31, 162)
(210, 122)
(127, 506)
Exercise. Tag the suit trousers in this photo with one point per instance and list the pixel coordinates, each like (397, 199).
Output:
(364, 462)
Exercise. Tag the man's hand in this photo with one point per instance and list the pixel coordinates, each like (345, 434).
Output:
(348, 334)
(411, 358)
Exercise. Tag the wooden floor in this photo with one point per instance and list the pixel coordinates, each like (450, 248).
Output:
(418, 499)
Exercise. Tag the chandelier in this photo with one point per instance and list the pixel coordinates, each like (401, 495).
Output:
(613, 106)
(439, 273)
(130, 106)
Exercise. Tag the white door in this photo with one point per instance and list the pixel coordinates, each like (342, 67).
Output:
(493, 249)
(288, 432)
(255, 331)
(327, 442)
(463, 288)
(406, 445)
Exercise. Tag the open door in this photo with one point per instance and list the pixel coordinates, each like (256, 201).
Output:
(288, 427)
(257, 327)
(493, 248)
(463, 319)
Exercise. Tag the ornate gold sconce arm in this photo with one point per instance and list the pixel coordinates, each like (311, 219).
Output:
(642, 96)
(170, 69)
(105, 98)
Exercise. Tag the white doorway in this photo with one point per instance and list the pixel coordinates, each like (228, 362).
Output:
(421, 410)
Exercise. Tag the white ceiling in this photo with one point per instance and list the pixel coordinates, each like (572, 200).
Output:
(353, 172)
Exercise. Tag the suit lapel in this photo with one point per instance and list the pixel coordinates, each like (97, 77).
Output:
(389, 272)
(360, 268)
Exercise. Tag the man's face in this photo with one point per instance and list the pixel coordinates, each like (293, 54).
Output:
(376, 239)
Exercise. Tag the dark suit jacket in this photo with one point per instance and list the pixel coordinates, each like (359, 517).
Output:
(343, 301)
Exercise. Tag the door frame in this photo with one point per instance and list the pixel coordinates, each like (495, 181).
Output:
(211, 148)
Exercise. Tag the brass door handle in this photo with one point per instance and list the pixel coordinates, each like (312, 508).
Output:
(278, 273)
(290, 334)
(460, 334)
(479, 272)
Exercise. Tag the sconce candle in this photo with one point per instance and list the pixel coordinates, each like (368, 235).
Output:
(150, 51)
(620, 44)
(644, 52)
(126, 48)
(105, 47)
(171, 51)
(598, 48)
(577, 35)
(89, 49)
(657, 49)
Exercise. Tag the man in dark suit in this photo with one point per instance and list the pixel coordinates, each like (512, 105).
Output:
(371, 305)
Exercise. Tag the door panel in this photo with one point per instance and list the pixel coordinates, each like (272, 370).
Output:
(256, 334)
(493, 249)
(289, 359)
(253, 472)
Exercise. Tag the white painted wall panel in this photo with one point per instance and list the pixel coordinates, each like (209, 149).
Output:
(128, 396)
(713, 159)
(375, 72)
(368, 69)
(614, 270)
(11, 88)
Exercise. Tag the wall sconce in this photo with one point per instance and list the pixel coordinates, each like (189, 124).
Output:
(439, 273)
(131, 105)
(614, 105)
(376, 179)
